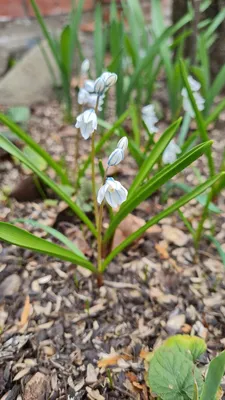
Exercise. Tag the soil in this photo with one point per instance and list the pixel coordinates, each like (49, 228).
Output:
(63, 337)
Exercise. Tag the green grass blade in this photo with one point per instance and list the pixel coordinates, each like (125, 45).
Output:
(53, 232)
(218, 247)
(38, 149)
(154, 184)
(153, 157)
(198, 115)
(98, 41)
(14, 151)
(65, 48)
(215, 89)
(19, 237)
(214, 377)
(75, 18)
(163, 214)
(215, 24)
(135, 125)
(204, 58)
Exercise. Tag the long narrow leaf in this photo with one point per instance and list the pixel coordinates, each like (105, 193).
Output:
(214, 377)
(156, 152)
(53, 232)
(35, 146)
(13, 150)
(163, 214)
(215, 89)
(20, 237)
(154, 184)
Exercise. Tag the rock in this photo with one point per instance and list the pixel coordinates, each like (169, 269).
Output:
(213, 301)
(36, 388)
(10, 285)
(174, 235)
(29, 81)
(92, 374)
(4, 60)
(175, 323)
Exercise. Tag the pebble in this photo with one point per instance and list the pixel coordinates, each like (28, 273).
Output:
(175, 323)
(10, 285)
(36, 388)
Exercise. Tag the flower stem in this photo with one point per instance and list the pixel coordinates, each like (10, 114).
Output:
(99, 229)
(76, 154)
(93, 168)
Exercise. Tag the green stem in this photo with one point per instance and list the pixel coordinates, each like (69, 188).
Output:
(199, 230)
(76, 155)
(93, 168)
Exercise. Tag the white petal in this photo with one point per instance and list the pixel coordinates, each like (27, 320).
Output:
(195, 85)
(89, 85)
(112, 199)
(123, 143)
(116, 157)
(85, 66)
(101, 194)
(99, 86)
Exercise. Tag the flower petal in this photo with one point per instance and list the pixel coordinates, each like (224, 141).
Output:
(101, 193)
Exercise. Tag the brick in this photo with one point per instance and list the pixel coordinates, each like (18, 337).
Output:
(11, 9)
(56, 7)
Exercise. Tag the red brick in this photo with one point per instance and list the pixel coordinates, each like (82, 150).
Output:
(11, 9)
(56, 7)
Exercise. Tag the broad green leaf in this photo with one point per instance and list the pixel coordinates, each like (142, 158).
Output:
(34, 146)
(213, 377)
(18, 114)
(53, 232)
(154, 155)
(20, 237)
(163, 214)
(172, 375)
(14, 151)
(196, 391)
(191, 344)
(35, 158)
(154, 184)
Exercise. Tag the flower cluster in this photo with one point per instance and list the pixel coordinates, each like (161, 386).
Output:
(112, 191)
(195, 87)
(149, 118)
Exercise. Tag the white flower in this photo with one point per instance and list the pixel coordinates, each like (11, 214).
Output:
(109, 79)
(149, 118)
(92, 99)
(113, 192)
(89, 85)
(85, 66)
(83, 96)
(99, 86)
(123, 143)
(116, 157)
(200, 101)
(87, 123)
(170, 153)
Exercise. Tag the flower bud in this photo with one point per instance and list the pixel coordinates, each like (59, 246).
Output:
(123, 143)
(109, 78)
(115, 157)
(85, 66)
(99, 86)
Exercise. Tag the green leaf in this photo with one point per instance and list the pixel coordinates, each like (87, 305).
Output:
(185, 343)
(18, 114)
(53, 232)
(98, 41)
(20, 237)
(34, 146)
(172, 376)
(14, 151)
(154, 184)
(153, 157)
(163, 214)
(218, 247)
(35, 158)
(135, 125)
(215, 89)
(65, 39)
(214, 377)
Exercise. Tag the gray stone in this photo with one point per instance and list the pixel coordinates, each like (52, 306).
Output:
(30, 81)
(10, 285)
(4, 59)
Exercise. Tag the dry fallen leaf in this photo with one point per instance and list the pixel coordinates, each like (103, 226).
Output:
(25, 312)
(128, 226)
(161, 249)
(112, 359)
(174, 235)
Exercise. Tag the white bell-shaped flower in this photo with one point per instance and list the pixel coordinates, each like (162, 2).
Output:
(109, 78)
(83, 96)
(92, 100)
(87, 123)
(170, 153)
(113, 192)
(99, 86)
(200, 101)
(123, 143)
(85, 67)
(89, 85)
(116, 157)
(149, 118)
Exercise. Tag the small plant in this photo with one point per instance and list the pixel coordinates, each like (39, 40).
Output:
(173, 374)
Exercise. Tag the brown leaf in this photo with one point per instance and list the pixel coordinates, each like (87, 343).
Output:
(25, 312)
(161, 249)
(129, 225)
(112, 359)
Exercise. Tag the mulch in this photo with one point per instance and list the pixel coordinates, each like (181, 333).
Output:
(63, 337)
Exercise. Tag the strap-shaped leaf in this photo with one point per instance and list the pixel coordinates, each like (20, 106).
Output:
(156, 152)
(35, 146)
(154, 184)
(214, 377)
(163, 214)
(12, 234)
(14, 151)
